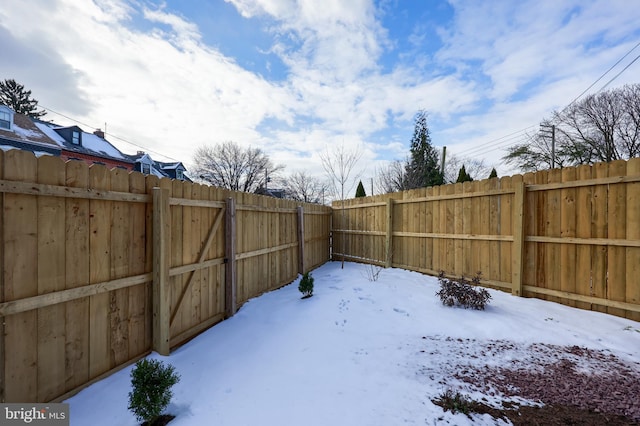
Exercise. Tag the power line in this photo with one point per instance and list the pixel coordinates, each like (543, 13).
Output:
(111, 135)
(618, 75)
(605, 73)
(497, 143)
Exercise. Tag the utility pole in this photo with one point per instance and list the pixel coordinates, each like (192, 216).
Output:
(444, 157)
(543, 130)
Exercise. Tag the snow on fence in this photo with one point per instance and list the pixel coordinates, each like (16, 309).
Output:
(568, 235)
(102, 266)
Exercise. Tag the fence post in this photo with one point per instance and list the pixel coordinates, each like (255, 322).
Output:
(161, 255)
(230, 282)
(518, 236)
(301, 269)
(388, 244)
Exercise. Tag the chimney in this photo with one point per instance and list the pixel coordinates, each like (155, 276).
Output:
(99, 133)
(140, 153)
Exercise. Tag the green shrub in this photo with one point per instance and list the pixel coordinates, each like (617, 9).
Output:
(151, 381)
(454, 402)
(462, 292)
(306, 285)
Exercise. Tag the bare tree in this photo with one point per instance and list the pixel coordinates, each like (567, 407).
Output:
(475, 168)
(339, 166)
(392, 177)
(230, 166)
(601, 127)
(301, 186)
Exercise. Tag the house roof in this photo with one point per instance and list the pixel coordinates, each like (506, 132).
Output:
(25, 135)
(91, 144)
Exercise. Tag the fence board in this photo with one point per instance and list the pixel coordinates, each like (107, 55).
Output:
(51, 278)
(506, 228)
(139, 303)
(568, 230)
(21, 279)
(617, 228)
(119, 265)
(99, 270)
(553, 223)
(584, 205)
(632, 254)
(599, 229)
(77, 274)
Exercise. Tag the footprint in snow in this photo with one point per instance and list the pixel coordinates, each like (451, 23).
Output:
(401, 311)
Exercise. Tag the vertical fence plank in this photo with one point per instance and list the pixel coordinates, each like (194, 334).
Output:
(584, 205)
(530, 228)
(632, 254)
(161, 256)
(99, 270)
(196, 241)
(493, 266)
(467, 222)
(177, 282)
(139, 304)
(541, 216)
(119, 265)
(458, 213)
(230, 288)
(436, 254)
(599, 229)
(517, 256)
(617, 228)
(448, 222)
(506, 228)
(568, 230)
(77, 275)
(300, 213)
(553, 229)
(388, 243)
(20, 279)
(51, 278)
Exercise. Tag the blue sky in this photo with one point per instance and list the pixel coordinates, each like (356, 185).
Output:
(298, 77)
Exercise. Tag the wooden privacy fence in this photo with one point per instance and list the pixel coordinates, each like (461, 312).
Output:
(102, 266)
(569, 235)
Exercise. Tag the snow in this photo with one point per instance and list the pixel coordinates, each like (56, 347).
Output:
(358, 352)
(52, 134)
(97, 144)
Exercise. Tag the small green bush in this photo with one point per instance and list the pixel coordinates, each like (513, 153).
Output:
(462, 292)
(151, 381)
(454, 402)
(306, 285)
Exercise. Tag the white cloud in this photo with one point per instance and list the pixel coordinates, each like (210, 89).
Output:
(502, 66)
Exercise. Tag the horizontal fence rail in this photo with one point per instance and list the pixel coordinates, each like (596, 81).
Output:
(100, 266)
(568, 235)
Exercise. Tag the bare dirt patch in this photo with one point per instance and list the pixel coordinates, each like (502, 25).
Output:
(539, 384)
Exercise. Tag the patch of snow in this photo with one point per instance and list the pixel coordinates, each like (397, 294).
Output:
(48, 130)
(97, 144)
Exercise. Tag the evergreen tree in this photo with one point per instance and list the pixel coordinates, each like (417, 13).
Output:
(13, 95)
(493, 174)
(423, 169)
(463, 176)
(360, 190)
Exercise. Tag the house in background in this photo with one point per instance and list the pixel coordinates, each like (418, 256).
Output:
(92, 148)
(17, 131)
(146, 165)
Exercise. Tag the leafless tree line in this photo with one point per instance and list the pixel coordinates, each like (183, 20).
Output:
(601, 127)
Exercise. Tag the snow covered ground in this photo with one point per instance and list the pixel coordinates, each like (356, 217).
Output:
(358, 352)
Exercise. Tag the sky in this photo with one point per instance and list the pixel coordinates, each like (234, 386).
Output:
(363, 352)
(298, 78)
